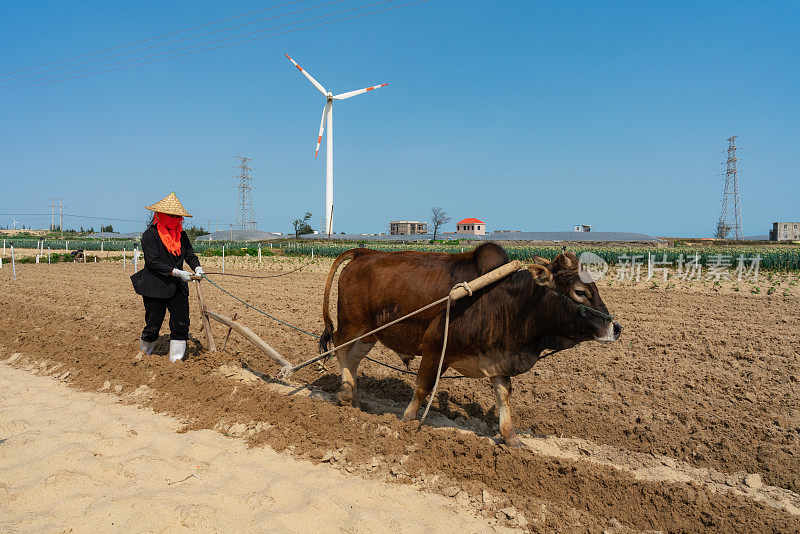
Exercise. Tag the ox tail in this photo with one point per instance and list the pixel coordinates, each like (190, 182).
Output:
(327, 335)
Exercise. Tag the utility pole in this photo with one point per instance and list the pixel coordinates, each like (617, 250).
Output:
(60, 207)
(245, 187)
(730, 220)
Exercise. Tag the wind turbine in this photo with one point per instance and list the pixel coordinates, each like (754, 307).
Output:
(327, 113)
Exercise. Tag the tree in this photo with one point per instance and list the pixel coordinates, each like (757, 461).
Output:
(108, 228)
(194, 231)
(301, 226)
(438, 218)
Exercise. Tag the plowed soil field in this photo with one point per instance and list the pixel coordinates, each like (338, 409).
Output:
(690, 422)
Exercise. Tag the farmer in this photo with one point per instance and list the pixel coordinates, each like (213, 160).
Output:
(163, 284)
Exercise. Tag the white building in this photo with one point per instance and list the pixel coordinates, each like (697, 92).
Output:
(785, 231)
(407, 227)
(471, 225)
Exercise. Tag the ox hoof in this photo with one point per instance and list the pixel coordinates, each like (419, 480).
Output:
(511, 438)
(514, 443)
(347, 399)
(346, 394)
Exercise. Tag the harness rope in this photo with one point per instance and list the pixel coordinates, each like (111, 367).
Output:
(256, 309)
(328, 353)
(267, 276)
(387, 325)
(406, 371)
(584, 308)
(441, 358)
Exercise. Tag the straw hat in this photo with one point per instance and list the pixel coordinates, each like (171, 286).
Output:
(169, 205)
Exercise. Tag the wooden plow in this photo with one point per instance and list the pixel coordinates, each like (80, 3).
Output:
(233, 324)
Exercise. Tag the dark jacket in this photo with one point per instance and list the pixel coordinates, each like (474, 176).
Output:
(156, 279)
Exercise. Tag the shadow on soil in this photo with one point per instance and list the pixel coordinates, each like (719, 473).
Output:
(391, 395)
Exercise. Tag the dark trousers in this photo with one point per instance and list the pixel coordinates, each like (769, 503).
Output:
(154, 310)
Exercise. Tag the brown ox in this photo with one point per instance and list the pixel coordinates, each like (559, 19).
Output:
(499, 332)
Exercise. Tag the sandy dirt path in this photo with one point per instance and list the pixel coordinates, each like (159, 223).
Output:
(81, 461)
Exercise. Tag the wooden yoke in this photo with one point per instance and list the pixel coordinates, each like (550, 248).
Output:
(212, 347)
(461, 291)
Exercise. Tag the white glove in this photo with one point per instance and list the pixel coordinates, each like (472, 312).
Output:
(183, 275)
(199, 271)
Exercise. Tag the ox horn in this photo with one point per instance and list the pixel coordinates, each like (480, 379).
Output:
(541, 275)
(567, 260)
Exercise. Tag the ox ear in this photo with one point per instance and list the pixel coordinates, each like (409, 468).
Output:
(541, 275)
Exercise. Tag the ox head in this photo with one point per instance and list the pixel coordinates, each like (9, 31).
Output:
(577, 303)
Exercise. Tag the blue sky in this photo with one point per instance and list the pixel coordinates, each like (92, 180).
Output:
(528, 115)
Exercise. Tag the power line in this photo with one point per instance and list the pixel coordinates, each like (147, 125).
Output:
(26, 82)
(160, 44)
(224, 45)
(151, 38)
(68, 215)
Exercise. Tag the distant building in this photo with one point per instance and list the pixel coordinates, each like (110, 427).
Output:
(407, 227)
(785, 231)
(507, 231)
(471, 225)
(581, 228)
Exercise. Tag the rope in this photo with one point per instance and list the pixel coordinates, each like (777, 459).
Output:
(268, 276)
(328, 353)
(387, 325)
(584, 308)
(405, 371)
(256, 309)
(441, 358)
(466, 287)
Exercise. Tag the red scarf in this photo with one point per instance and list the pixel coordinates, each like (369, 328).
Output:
(169, 230)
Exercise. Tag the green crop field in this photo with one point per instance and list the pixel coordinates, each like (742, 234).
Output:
(773, 257)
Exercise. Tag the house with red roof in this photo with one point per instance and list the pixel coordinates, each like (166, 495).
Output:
(471, 225)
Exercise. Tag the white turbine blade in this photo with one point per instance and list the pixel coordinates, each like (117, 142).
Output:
(307, 75)
(360, 91)
(322, 125)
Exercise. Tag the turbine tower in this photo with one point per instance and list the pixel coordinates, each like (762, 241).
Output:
(327, 114)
